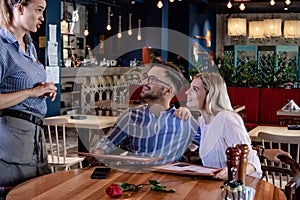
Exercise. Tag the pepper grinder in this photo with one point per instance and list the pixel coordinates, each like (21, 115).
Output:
(233, 159)
(243, 163)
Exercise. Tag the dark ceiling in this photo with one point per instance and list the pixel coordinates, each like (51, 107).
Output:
(219, 6)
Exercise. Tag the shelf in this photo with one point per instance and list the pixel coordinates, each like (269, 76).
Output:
(74, 92)
(66, 47)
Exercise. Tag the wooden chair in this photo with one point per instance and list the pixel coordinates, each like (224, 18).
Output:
(280, 174)
(292, 188)
(57, 149)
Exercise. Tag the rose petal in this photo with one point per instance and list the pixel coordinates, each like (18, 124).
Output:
(114, 191)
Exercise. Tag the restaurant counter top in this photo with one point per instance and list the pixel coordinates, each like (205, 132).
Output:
(92, 71)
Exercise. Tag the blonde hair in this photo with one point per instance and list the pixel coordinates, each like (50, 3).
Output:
(217, 98)
(6, 7)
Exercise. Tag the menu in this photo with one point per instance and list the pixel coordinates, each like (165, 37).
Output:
(187, 168)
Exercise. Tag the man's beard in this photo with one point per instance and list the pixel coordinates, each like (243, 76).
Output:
(152, 95)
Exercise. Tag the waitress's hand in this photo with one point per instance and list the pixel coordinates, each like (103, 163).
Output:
(182, 113)
(44, 89)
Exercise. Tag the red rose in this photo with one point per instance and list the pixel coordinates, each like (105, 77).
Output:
(114, 191)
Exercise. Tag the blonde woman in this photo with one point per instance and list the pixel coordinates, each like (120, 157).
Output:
(220, 126)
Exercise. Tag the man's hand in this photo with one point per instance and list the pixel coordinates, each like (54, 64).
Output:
(92, 160)
(182, 113)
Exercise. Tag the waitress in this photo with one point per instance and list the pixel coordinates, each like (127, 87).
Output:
(23, 93)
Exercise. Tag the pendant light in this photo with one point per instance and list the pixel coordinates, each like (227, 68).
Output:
(108, 27)
(129, 26)
(160, 4)
(229, 4)
(86, 30)
(139, 37)
(272, 2)
(242, 6)
(120, 27)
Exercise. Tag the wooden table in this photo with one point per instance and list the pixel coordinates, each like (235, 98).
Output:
(77, 184)
(85, 125)
(276, 130)
(287, 113)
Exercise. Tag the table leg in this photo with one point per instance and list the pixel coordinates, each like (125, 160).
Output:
(83, 139)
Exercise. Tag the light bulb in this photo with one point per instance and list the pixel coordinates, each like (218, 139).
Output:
(287, 2)
(129, 32)
(139, 37)
(171, 1)
(272, 2)
(229, 5)
(160, 4)
(119, 35)
(242, 6)
(86, 32)
(108, 27)
(64, 22)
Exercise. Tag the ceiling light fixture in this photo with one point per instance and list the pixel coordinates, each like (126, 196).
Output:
(287, 2)
(171, 1)
(285, 8)
(108, 27)
(242, 6)
(237, 26)
(120, 27)
(272, 2)
(229, 4)
(86, 30)
(160, 4)
(139, 37)
(129, 26)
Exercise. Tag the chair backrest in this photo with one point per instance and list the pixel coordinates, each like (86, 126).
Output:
(289, 121)
(292, 188)
(56, 136)
(280, 174)
(287, 143)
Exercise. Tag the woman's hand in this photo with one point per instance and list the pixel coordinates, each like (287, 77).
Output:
(223, 174)
(46, 89)
(182, 113)
(271, 154)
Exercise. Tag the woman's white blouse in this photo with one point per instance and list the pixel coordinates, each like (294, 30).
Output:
(226, 129)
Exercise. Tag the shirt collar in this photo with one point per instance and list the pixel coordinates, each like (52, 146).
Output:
(164, 112)
(10, 38)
